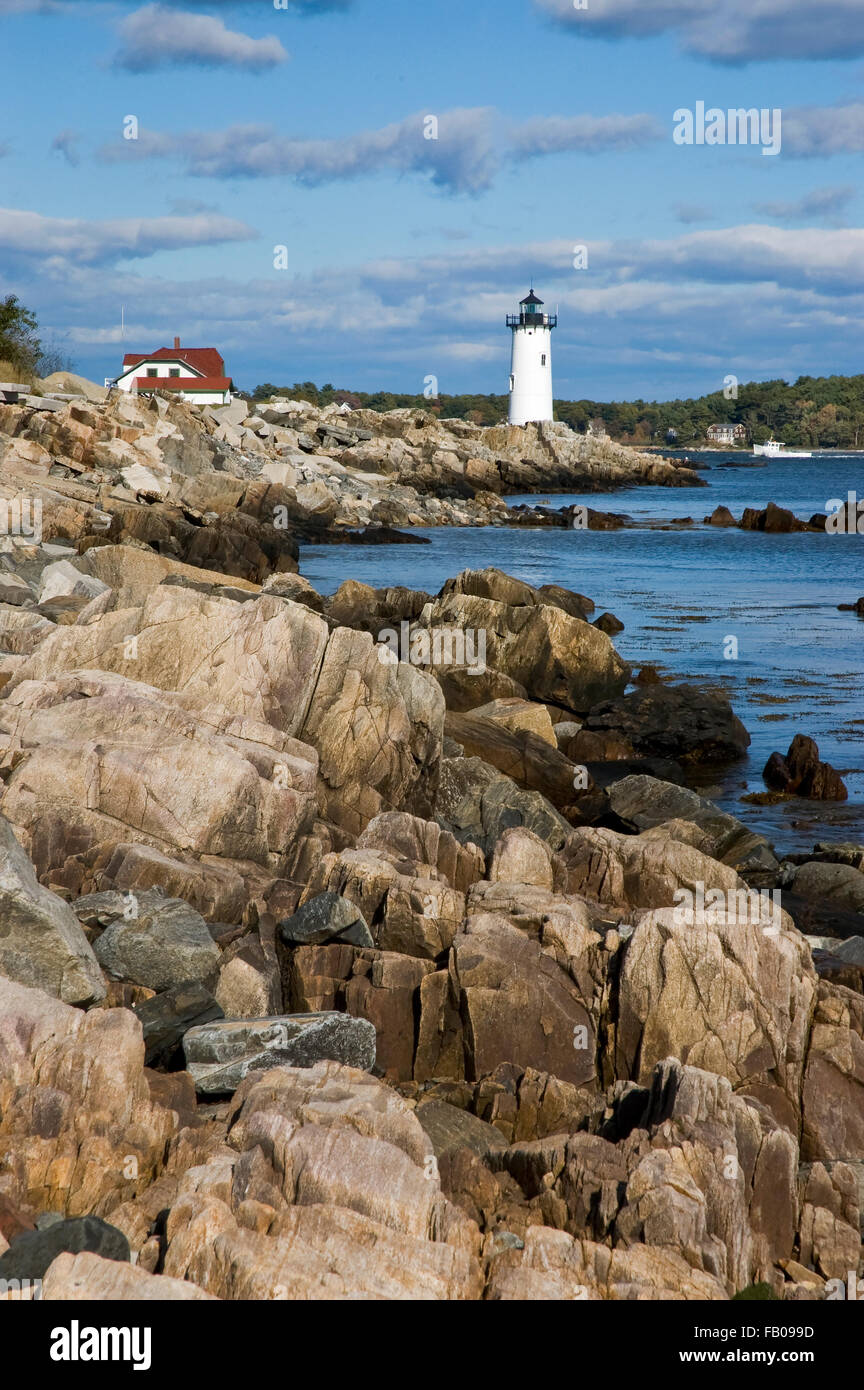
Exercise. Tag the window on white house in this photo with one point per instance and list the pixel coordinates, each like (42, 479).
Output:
(152, 371)
(173, 371)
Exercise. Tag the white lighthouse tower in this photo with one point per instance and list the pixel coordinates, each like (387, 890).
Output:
(531, 362)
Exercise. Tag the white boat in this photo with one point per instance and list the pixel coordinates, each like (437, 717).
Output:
(775, 449)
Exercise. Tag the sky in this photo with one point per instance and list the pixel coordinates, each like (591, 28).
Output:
(358, 191)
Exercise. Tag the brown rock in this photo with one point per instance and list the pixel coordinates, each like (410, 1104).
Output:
(555, 657)
(519, 1006)
(832, 1095)
(801, 773)
(520, 716)
(726, 994)
(84, 1278)
(521, 857)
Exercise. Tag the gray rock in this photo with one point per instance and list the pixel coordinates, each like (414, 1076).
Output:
(327, 917)
(233, 414)
(220, 1055)
(158, 942)
(682, 722)
(43, 403)
(30, 1254)
(449, 1128)
(851, 951)
(101, 909)
(46, 1219)
(647, 801)
(11, 391)
(333, 433)
(63, 578)
(838, 885)
(166, 1018)
(41, 941)
(478, 803)
(273, 414)
(14, 589)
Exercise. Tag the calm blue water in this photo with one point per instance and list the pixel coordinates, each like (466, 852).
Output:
(682, 592)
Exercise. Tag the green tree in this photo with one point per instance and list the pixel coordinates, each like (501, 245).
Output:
(19, 344)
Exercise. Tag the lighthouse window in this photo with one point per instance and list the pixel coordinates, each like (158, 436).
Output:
(512, 381)
(542, 359)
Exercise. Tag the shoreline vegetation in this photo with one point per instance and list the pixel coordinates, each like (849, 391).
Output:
(380, 944)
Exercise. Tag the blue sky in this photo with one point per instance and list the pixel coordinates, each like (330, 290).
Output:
(303, 127)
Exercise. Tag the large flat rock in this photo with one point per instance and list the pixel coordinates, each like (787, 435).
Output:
(648, 801)
(220, 1054)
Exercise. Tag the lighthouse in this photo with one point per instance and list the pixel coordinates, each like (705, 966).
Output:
(531, 362)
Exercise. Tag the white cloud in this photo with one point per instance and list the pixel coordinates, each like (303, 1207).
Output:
(830, 260)
(30, 237)
(473, 352)
(734, 31)
(590, 134)
(471, 147)
(465, 156)
(158, 37)
(827, 204)
(811, 131)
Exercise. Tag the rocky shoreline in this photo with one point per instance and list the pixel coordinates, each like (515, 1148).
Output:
(374, 945)
(310, 473)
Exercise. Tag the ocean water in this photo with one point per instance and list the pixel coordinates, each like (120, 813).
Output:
(682, 592)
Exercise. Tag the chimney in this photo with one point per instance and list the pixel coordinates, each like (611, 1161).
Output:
(176, 344)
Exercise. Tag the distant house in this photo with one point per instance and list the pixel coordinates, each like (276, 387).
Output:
(196, 374)
(727, 434)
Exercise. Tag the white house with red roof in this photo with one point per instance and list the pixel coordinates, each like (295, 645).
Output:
(196, 374)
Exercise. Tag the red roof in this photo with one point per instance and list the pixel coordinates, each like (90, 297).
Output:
(207, 361)
(184, 383)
